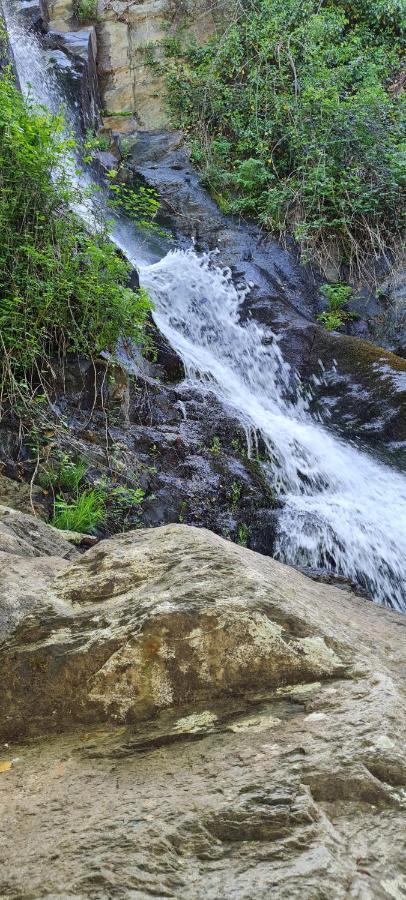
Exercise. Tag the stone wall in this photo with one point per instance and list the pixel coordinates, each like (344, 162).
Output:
(132, 90)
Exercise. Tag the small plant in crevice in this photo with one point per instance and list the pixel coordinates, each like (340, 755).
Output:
(93, 144)
(235, 493)
(337, 314)
(85, 11)
(242, 534)
(77, 506)
(215, 446)
(124, 507)
(183, 511)
(239, 446)
(63, 474)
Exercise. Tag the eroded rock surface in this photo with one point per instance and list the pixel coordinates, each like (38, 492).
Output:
(242, 731)
(155, 619)
(23, 535)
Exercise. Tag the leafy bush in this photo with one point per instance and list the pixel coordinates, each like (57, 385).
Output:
(61, 289)
(293, 117)
(124, 507)
(139, 203)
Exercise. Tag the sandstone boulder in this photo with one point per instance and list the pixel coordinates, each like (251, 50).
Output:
(240, 731)
(160, 618)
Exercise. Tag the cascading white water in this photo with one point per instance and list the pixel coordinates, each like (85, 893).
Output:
(341, 508)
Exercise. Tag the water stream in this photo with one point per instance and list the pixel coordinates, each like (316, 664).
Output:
(342, 509)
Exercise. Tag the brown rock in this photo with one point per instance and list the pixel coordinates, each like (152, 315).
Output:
(125, 32)
(159, 618)
(272, 764)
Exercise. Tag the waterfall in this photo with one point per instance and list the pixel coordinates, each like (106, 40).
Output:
(341, 508)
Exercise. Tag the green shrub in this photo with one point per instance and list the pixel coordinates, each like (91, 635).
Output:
(140, 203)
(336, 314)
(62, 289)
(124, 507)
(292, 117)
(83, 514)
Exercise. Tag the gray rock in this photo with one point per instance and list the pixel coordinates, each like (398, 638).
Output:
(23, 535)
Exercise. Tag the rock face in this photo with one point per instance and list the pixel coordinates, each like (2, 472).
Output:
(241, 731)
(74, 55)
(138, 635)
(20, 496)
(182, 450)
(126, 32)
(31, 555)
(23, 535)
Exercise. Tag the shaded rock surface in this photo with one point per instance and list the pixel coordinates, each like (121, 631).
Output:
(23, 497)
(242, 731)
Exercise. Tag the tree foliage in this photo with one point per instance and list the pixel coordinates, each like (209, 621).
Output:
(294, 116)
(62, 289)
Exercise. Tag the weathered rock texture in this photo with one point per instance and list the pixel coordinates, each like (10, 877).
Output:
(128, 33)
(31, 555)
(243, 735)
(155, 619)
(22, 496)
(23, 535)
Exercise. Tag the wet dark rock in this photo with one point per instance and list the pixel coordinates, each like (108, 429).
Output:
(168, 359)
(75, 54)
(360, 389)
(324, 576)
(285, 295)
(135, 426)
(31, 9)
(162, 159)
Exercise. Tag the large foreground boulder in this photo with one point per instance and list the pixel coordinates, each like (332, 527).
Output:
(222, 727)
(158, 618)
